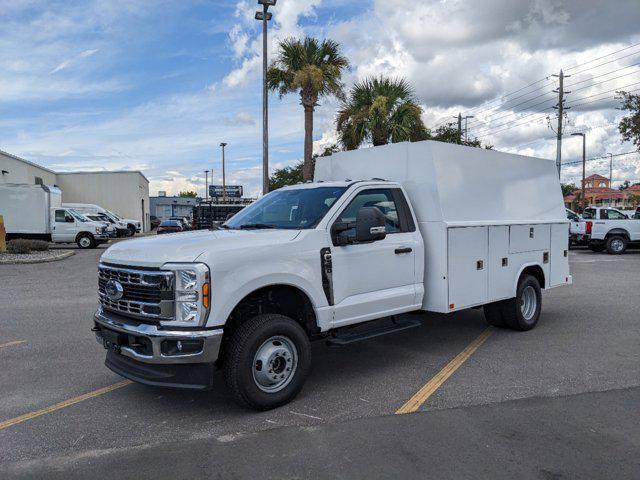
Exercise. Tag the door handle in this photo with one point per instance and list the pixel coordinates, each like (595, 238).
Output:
(403, 250)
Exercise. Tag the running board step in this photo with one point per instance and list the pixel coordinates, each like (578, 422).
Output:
(352, 337)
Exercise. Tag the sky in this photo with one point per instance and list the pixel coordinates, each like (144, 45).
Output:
(156, 85)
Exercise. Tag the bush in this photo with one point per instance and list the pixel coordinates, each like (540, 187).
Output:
(39, 245)
(24, 245)
(19, 245)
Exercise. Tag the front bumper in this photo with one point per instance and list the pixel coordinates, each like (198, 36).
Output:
(148, 353)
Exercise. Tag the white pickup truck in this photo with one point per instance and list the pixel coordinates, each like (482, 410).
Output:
(578, 229)
(611, 230)
(450, 228)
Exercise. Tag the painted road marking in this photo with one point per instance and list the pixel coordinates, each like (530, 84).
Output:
(63, 404)
(422, 395)
(10, 344)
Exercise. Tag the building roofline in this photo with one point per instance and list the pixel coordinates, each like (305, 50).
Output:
(85, 172)
(15, 157)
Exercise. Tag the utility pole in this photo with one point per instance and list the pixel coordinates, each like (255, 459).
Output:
(265, 16)
(459, 117)
(224, 183)
(206, 185)
(561, 108)
(610, 178)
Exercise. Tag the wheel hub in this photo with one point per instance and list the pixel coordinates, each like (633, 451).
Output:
(528, 302)
(274, 364)
(616, 245)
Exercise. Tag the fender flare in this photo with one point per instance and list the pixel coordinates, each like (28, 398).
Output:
(522, 268)
(618, 231)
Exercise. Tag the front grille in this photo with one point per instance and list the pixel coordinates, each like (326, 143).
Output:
(146, 294)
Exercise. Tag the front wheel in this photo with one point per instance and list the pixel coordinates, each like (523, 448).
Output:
(267, 361)
(86, 241)
(131, 231)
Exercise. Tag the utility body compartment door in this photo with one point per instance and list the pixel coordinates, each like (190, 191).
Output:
(529, 238)
(501, 267)
(467, 249)
(559, 255)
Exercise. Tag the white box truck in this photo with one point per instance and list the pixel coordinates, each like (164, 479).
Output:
(35, 211)
(125, 227)
(409, 227)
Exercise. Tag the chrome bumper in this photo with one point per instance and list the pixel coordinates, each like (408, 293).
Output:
(211, 340)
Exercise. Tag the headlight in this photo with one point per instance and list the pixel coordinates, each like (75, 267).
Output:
(98, 229)
(191, 293)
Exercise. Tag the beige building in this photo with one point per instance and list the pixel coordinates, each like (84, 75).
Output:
(125, 193)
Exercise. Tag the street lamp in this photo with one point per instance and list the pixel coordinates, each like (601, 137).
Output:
(264, 17)
(206, 185)
(224, 183)
(584, 162)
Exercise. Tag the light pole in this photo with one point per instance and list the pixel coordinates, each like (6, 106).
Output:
(206, 185)
(224, 183)
(584, 162)
(265, 16)
(610, 178)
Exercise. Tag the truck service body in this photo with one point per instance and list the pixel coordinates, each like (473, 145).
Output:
(440, 228)
(36, 211)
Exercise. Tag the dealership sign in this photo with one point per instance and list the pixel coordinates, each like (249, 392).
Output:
(231, 191)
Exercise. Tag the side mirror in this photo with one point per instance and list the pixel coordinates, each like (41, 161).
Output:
(370, 225)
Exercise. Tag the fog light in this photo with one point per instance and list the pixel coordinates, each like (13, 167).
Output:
(181, 347)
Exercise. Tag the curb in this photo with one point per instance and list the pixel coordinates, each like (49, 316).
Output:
(62, 256)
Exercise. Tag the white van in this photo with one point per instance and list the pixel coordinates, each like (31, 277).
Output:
(125, 227)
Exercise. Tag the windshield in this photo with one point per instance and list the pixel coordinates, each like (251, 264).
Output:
(287, 209)
(77, 216)
(112, 215)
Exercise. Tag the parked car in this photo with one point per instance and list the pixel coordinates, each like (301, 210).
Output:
(184, 221)
(35, 211)
(111, 230)
(170, 226)
(308, 261)
(155, 221)
(612, 230)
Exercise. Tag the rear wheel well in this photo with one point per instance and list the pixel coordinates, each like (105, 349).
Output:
(282, 299)
(535, 271)
(617, 232)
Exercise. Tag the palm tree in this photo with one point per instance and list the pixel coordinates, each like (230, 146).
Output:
(314, 69)
(380, 110)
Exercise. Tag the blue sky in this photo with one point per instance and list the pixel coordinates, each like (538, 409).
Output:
(157, 85)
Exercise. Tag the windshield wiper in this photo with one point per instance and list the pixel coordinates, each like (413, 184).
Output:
(247, 226)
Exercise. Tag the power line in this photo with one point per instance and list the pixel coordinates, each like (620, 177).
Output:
(603, 157)
(514, 125)
(602, 93)
(604, 81)
(603, 56)
(603, 74)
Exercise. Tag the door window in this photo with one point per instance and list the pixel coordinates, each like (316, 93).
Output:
(613, 215)
(382, 199)
(61, 216)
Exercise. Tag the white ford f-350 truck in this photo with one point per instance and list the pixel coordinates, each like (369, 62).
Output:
(611, 230)
(441, 228)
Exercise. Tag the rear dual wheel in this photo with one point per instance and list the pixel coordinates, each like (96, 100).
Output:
(520, 313)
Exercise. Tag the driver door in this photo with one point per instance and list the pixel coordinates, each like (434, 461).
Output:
(375, 279)
(64, 226)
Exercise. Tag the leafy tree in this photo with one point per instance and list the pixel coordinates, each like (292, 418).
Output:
(629, 126)
(380, 110)
(568, 188)
(286, 176)
(292, 175)
(188, 193)
(626, 184)
(313, 69)
(449, 134)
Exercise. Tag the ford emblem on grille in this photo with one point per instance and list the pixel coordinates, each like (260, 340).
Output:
(114, 290)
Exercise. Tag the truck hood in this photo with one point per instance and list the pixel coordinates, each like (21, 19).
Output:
(156, 250)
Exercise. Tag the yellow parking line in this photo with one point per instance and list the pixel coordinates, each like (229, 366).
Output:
(421, 396)
(63, 404)
(9, 344)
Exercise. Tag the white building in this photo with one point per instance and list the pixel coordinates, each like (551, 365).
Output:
(124, 192)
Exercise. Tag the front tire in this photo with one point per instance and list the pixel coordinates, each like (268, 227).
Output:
(267, 361)
(86, 241)
(616, 245)
(131, 231)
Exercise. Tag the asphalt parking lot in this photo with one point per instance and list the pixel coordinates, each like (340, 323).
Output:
(560, 401)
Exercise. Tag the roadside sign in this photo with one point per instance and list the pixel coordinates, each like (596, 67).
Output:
(234, 191)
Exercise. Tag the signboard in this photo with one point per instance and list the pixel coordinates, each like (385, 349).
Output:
(233, 191)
